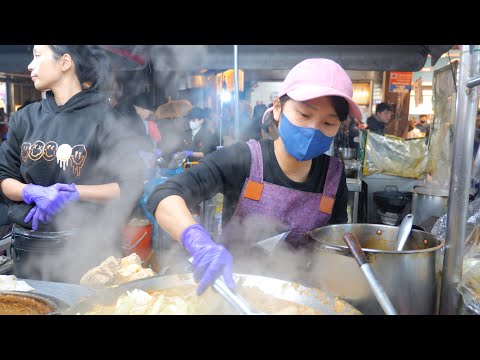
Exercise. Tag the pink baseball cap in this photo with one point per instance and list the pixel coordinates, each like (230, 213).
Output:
(313, 78)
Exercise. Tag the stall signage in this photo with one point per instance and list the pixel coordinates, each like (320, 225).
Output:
(361, 93)
(400, 81)
(229, 77)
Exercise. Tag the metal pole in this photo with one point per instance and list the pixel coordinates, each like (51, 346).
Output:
(467, 99)
(235, 74)
(10, 106)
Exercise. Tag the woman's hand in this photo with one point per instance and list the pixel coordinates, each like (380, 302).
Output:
(209, 258)
(35, 215)
(50, 199)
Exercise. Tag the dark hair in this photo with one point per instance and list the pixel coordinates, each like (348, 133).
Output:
(92, 66)
(382, 107)
(196, 113)
(340, 105)
(28, 102)
(207, 113)
(143, 100)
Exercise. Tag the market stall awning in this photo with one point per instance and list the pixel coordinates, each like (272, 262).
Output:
(350, 57)
(15, 58)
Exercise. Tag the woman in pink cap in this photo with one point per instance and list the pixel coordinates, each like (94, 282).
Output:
(269, 187)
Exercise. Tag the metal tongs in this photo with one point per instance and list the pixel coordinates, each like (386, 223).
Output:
(233, 299)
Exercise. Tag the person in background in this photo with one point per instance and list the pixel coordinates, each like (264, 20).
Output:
(289, 184)
(138, 111)
(212, 123)
(68, 163)
(3, 125)
(253, 130)
(346, 135)
(198, 141)
(413, 131)
(423, 126)
(376, 123)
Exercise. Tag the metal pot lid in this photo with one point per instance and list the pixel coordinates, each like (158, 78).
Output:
(430, 190)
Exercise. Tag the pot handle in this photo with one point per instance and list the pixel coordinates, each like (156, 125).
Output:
(335, 249)
(391, 186)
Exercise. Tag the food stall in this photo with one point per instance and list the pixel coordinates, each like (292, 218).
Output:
(403, 58)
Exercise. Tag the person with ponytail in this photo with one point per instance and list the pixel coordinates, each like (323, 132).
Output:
(68, 163)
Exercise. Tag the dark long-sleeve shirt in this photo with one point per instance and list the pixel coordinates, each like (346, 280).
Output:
(81, 142)
(375, 126)
(225, 171)
(203, 141)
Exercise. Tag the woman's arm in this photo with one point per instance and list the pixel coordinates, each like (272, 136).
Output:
(98, 193)
(94, 193)
(198, 154)
(173, 216)
(12, 189)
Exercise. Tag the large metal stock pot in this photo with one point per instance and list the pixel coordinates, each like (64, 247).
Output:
(428, 202)
(411, 278)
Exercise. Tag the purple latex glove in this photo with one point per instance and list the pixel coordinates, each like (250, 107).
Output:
(188, 153)
(68, 192)
(35, 215)
(209, 258)
(50, 199)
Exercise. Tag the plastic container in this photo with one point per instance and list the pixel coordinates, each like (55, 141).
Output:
(137, 238)
(37, 255)
(168, 173)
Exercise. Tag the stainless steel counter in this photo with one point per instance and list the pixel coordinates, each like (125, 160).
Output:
(378, 182)
(354, 186)
(68, 293)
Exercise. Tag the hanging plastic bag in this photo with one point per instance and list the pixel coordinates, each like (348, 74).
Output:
(391, 155)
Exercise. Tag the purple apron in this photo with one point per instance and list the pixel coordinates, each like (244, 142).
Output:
(266, 209)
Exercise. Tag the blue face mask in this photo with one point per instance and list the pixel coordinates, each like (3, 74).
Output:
(301, 142)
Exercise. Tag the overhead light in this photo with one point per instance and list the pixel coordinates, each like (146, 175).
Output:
(225, 96)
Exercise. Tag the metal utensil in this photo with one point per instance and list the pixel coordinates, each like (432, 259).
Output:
(269, 244)
(235, 300)
(404, 231)
(238, 303)
(362, 261)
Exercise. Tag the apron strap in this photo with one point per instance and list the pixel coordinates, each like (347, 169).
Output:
(256, 167)
(330, 188)
(333, 177)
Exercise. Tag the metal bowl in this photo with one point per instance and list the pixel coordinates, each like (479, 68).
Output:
(21, 303)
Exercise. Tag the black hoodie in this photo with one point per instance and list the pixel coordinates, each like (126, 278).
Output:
(81, 142)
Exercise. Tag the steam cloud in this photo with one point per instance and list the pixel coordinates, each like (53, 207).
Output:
(97, 237)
